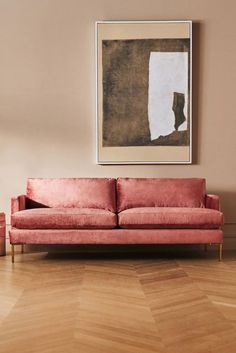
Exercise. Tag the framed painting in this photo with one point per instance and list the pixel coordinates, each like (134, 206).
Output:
(144, 84)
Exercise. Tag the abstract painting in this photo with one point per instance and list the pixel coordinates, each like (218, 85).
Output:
(144, 92)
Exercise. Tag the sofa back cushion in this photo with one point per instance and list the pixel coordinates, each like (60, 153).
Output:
(154, 192)
(73, 192)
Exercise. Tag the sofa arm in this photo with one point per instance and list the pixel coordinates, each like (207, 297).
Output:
(18, 203)
(213, 202)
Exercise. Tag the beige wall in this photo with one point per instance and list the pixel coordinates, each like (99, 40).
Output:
(47, 91)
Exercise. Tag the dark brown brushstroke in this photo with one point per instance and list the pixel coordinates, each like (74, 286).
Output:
(125, 91)
(178, 109)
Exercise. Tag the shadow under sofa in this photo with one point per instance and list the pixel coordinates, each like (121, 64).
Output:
(116, 211)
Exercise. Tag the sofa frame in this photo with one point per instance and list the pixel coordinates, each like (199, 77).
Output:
(206, 234)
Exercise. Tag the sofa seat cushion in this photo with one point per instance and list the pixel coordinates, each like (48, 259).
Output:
(64, 218)
(170, 217)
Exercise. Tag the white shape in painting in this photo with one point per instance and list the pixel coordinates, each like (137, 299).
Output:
(168, 73)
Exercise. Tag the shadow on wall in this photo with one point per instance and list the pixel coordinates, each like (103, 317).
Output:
(196, 83)
(228, 205)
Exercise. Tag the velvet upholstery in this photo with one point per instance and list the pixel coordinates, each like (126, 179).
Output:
(74, 192)
(18, 203)
(2, 228)
(170, 217)
(213, 202)
(116, 236)
(84, 211)
(2, 234)
(64, 218)
(154, 192)
(2, 218)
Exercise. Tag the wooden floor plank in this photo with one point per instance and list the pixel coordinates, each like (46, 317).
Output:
(117, 304)
(113, 315)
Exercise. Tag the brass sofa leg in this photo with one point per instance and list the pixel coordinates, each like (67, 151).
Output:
(22, 248)
(220, 252)
(12, 254)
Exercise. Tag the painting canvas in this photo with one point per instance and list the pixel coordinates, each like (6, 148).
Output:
(144, 92)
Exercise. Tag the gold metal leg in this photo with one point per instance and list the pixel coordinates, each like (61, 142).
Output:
(205, 247)
(22, 248)
(220, 251)
(12, 254)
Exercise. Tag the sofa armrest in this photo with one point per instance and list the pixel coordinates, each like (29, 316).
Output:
(18, 203)
(213, 202)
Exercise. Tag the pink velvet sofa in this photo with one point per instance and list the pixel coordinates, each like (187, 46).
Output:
(116, 211)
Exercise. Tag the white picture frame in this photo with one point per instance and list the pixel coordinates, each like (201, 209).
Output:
(127, 126)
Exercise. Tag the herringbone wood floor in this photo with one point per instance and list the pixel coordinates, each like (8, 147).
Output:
(183, 301)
